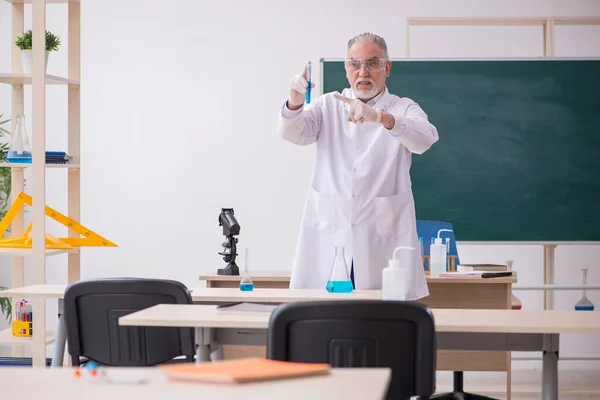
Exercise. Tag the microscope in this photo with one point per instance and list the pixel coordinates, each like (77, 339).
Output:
(231, 227)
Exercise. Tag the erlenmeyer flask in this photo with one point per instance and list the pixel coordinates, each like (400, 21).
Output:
(19, 150)
(339, 278)
(584, 304)
(246, 283)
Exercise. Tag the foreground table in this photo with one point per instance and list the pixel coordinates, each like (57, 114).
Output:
(457, 329)
(61, 384)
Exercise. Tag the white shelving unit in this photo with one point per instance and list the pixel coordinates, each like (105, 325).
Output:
(26, 252)
(38, 80)
(67, 165)
(7, 338)
(26, 79)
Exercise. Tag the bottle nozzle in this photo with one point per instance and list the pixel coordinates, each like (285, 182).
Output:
(443, 230)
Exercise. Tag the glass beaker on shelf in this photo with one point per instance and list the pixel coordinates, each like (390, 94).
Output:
(339, 277)
(584, 304)
(246, 284)
(19, 150)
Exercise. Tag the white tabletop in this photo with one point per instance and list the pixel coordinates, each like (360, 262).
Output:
(284, 276)
(47, 291)
(278, 295)
(446, 320)
(222, 294)
(61, 384)
(218, 294)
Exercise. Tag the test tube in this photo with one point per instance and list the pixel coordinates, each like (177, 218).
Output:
(448, 266)
(422, 247)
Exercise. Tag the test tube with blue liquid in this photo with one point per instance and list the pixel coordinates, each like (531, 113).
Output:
(448, 255)
(246, 284)
(309, 81)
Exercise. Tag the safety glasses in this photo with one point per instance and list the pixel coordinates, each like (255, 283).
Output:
(371, 64)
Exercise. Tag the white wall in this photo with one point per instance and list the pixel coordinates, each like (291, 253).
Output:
(179, 117)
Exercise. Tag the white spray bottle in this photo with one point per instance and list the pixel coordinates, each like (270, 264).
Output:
(437, 252)
(393, 277)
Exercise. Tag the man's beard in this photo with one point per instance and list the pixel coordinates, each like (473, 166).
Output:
(365, 94)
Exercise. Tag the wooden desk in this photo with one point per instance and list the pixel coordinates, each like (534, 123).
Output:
(261, 279)
(446, 320)
(493, 293)
(444, 293)
(61, 384)
(457, 329)
(216, 295)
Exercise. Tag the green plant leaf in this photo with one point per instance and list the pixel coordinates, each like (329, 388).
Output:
(5, 306)
(5, 188)
(25, 42)
(2, 130)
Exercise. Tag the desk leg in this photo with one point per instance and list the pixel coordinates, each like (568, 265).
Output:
(550, 368)
(61, 337)
(207, 348)
(203, 341)
(549, 275)
(216, 352)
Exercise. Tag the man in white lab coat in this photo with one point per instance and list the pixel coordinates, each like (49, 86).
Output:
(360, 194)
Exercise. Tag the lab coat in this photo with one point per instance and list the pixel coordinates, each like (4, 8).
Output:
(360, 194)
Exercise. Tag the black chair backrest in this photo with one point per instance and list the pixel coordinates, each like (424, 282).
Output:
(92, 310)
(360, 333)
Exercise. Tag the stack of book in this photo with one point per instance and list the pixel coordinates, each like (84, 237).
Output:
(481, 267)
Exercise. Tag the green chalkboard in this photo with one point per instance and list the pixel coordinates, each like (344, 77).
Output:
(519, 152)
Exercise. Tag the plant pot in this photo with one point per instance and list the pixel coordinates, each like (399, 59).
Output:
(27, 61)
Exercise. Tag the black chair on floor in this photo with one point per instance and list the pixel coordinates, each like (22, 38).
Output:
(92, 310)
(362, 333)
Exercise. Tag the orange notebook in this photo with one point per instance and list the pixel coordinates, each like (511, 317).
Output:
(245, 370)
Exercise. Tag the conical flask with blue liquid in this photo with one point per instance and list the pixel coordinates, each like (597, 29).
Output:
(584, 304)
(19, 150)
(246, 284)
(339, 277)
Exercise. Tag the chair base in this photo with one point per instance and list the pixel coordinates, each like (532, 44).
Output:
(460, 396)
(458, 393)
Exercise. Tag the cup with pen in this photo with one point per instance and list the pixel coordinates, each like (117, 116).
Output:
(22, 324)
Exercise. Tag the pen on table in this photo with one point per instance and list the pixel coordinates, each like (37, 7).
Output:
(308, 78)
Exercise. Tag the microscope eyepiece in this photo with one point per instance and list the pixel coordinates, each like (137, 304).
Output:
(230, 224)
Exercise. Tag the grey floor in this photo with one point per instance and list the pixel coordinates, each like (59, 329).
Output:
(517, 396)
(561, 397)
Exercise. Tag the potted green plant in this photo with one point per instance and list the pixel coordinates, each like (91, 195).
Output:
(25, 43)
(4, 172)
(5, 304)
